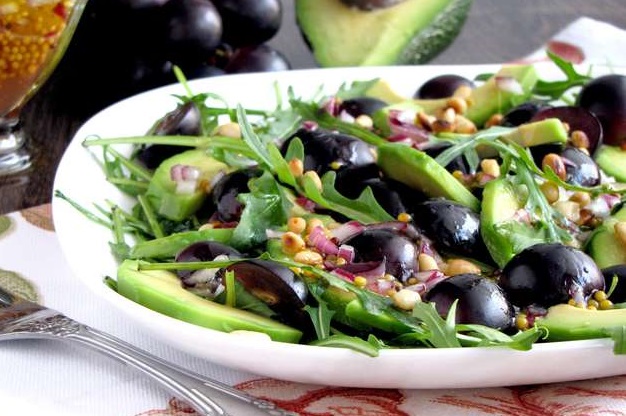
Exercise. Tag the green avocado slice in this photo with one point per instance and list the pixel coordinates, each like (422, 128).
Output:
(603, 245)
(161, 291)
(567, 323)
(612, 160)
(162, 189)
(410, 32)
(417, 170)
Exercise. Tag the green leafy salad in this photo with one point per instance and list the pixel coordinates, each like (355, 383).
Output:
(479, 212)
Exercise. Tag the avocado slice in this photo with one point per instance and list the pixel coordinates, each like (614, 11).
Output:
(485, 100)
(503, 234)
(603, 246)
(161, 291)
(410, 32)
(162, 189)
(566, 322)
(612, 160)
(549, 130)
(416, 169)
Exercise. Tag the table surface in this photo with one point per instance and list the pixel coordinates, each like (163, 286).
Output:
(495, 31)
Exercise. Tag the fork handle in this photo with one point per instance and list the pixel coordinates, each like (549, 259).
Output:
(206, 396)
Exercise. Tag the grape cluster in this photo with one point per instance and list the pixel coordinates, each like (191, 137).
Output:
(122, 47)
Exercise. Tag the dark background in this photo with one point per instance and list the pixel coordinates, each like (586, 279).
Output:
(496, 31)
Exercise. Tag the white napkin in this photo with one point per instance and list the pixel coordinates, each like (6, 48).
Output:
(600, 42)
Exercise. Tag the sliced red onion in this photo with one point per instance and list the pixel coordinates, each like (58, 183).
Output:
(382, 286)
(317, 238)
(306, 203)
(347, 230)
(310, 125)
(368, 269)
(600, 207)
(509, 84)
(484, 178)
(344, 274)
(181, 172)
(346, 252)
(611, 200)
(331, 106)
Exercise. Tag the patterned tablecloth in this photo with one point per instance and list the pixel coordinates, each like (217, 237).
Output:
(51, 378)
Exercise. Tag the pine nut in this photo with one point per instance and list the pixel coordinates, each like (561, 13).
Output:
(231, 130)
(308, 257)
(406, 299)
(296, 225)
(364, 121)
(494, 120)
(554, 162)
(569, 209)
(579, 139)
(551, 191)
(582, 198)
(442, 126)
(465, 126)
(296, 167)
(311, 174)
(426, 262)
(464, 91)
(461, 266)
(458, 104)
(424, 120)
(292, 243)
(490, 167)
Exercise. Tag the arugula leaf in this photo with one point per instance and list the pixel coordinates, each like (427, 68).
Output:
(556, 89)
(252, 140)
(484, 336)
(618, 335)
(265, 207)
(345, 341)
(321, 317)
(311, 111)
(443, 334)
(364, 209)
(355, 89)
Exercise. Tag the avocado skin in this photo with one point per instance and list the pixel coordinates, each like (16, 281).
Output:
(567, 323)
(410, 32)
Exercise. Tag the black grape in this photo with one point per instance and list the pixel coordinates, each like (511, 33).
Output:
(261, 58)
(249, 22)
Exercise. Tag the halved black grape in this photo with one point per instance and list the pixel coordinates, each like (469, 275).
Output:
(249, 22)
(225, 192)
(323, 148)
(442, 86)
(580, 168)
(546, 274)
(362, 105)
(453, 228)
(480, 301)
(203, 251)
(577, 118)
(261, 58)
(605, 97)
(523, 113)
(184, 120)
(397, 251)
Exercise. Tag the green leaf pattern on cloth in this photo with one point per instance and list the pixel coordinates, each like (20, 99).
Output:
(5, 225)
(18, 285)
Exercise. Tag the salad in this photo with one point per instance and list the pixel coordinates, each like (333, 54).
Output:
(479, 212)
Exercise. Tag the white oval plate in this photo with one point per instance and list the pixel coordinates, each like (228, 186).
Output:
(85, 244)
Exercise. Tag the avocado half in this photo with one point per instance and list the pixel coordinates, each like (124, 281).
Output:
(410, 32)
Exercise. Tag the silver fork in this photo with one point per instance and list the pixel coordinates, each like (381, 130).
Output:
(21, 319)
